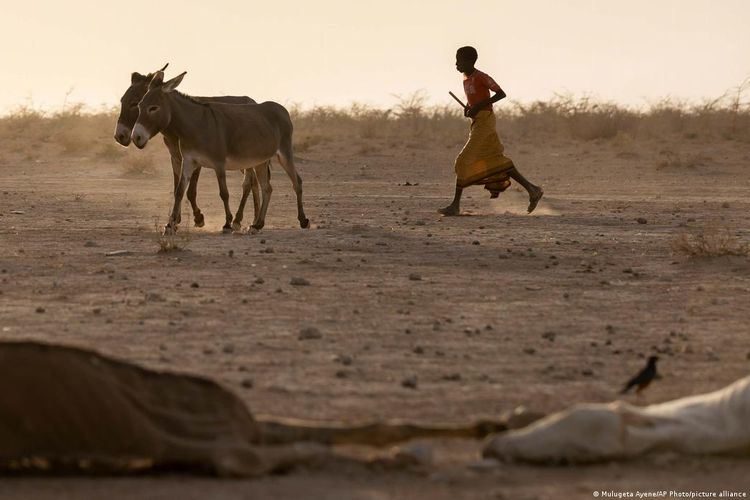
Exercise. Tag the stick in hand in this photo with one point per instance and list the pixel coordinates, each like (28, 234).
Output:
(457, 99)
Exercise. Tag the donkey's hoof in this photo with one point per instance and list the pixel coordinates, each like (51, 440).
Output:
(236, 226)
(258, 226)
(169, 230)
(226, 229)
(304, 223)
(200, 221)
(251, 230)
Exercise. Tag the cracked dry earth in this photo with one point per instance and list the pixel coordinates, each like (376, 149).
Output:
(416, 316)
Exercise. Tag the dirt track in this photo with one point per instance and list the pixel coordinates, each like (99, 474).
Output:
(488, 311)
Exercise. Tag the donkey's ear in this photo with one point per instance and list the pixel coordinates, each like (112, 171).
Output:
(136, 77)
(165, 67)
(157, 80)
(173, 83)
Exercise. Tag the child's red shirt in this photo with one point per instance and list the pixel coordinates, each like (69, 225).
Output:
(477, 87)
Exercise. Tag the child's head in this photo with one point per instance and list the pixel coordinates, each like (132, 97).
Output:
(465, 58)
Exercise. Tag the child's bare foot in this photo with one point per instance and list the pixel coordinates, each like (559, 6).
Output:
(534, 196)
(449, 210)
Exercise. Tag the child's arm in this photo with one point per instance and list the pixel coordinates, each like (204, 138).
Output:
(471, 111)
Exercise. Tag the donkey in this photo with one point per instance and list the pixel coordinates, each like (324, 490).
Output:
(126, 121)
(222, 137)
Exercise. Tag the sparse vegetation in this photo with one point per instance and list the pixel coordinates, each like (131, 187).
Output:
(171, 241)
(710, 243)
(76, 131)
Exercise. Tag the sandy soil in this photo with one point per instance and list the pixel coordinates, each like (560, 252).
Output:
(490, 310)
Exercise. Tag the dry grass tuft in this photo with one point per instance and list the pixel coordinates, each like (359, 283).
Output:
(171, 241)
(710, 243)
(670, 159)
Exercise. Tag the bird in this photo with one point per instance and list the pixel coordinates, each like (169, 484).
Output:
(644, 377)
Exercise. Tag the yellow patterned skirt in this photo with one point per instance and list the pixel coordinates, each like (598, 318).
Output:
(481, 161)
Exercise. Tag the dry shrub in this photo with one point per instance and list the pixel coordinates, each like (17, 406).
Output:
(172, 241)
(670, 159)
(710, 243)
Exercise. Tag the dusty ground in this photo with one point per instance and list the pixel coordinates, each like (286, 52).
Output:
(467, 305)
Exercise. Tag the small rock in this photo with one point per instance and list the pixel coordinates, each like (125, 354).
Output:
(97, 310)
(641, 220)
(117, 253)
(529, 350)
(309, 333)
(549, 336)
(587, 372)
(90, 244)
(259, 281)
(194, 285)
(228, 349)
(247, 383)
(40, 309)
(409, 382)
(415, 277)
(230, 253)
(299, 282)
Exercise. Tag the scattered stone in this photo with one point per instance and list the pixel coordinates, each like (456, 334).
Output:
(409, 382)
(415, 277)
(344, 359)
(309, 333)
(117, 253)
(587, 372)
(299, 282)
(259, 281)
(247, 383)
(228, 349)
(40, 310)
(725, 204)
(194, 285)
(90, 244)
(529, 350)
(549, 336)
(533, 288)
(452, 377)
(97, 310)
(475, 242)
(208, 351)
(230, 253)
(641, 220)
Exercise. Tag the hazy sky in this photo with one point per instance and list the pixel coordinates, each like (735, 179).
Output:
(339, 51)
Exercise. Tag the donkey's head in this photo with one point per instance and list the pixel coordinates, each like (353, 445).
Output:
(129, 105)
(154, 112)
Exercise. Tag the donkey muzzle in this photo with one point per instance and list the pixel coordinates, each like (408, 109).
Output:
(140, 136)
(122, 135)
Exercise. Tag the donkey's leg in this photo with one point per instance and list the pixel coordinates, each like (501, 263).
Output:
(263, 172)
(286, 158)
(250, 181)
(188, 166)
(176, 158)
(192, 191)
(221, 176)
